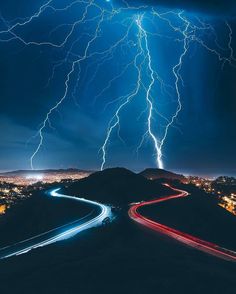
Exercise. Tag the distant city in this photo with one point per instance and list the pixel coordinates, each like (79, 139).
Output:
(223, 187)
(19, 185)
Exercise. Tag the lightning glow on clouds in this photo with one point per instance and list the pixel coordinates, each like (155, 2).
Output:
(141, 28)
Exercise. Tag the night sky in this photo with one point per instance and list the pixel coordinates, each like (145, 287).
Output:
(202, 139)
(210, 7)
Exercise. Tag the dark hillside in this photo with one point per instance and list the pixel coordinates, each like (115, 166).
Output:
(198, 215)
(156, 173)
(117, 186)
(38, 214)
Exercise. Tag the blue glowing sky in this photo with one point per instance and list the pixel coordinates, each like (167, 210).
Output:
(35, 68)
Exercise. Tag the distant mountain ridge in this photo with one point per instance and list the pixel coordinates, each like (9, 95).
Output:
(44, 171)
(149, 173)
(155, 173)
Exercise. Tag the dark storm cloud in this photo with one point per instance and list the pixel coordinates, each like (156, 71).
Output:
(210, 6)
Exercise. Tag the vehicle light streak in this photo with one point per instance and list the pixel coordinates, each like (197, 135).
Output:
(182, 237)
(44, 239)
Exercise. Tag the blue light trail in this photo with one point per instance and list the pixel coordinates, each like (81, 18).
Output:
(61, 233)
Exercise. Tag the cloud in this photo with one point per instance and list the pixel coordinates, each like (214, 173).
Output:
(208, 6)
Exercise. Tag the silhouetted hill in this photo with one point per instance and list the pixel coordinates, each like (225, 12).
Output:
(117, 186)
(156, 173)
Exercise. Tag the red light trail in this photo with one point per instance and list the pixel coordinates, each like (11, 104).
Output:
(182, 237)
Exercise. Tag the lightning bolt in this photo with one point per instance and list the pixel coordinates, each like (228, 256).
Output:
(115, 121)
(189, 35)
(74, 64)
(176, 72)
(231, 50)
(158, 152)
(185, 30)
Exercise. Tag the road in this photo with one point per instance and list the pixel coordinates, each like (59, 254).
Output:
(182, 237)
(95, 218)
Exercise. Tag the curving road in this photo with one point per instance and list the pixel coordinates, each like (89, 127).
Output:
(93, 219)
(187, 239)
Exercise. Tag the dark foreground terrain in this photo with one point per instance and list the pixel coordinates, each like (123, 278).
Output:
(37, 215)
(124, 257)
(119, 258)
(198, 214)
